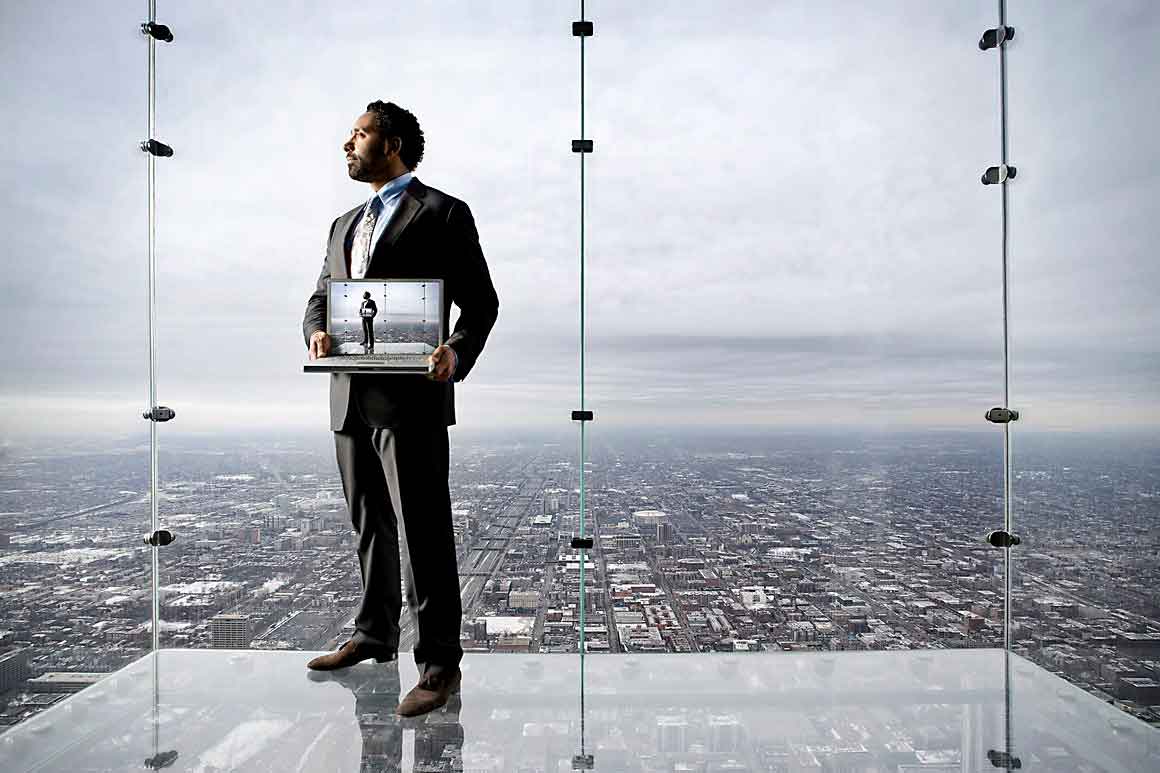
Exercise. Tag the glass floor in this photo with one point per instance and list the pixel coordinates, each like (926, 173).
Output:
(903, 712)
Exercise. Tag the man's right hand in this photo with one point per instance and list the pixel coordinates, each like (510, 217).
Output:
(319, 344)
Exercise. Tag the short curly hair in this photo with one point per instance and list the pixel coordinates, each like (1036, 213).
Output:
(394, 121)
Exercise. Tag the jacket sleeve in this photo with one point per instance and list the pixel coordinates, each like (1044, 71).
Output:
(470, 288)
(315, 317)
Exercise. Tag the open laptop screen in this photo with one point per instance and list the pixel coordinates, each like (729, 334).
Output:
(385, 318)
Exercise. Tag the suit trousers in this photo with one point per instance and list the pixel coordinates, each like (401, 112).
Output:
(393, 476)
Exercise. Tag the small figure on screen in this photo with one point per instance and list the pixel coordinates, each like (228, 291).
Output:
(368, 310)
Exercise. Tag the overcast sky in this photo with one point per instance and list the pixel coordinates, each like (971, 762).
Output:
(414, 299)
(784, 224)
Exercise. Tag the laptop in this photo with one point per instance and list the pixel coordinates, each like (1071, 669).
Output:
(381, 326)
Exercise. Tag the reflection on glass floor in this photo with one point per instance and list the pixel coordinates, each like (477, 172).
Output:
(929, 711)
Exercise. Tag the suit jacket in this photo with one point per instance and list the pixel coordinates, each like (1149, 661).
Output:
(431, 235)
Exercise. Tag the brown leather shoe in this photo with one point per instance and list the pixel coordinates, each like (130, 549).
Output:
(352, 652)
(432, 692)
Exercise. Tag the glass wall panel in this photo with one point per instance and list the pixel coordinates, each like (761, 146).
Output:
(1084, 374)
(267, 553)
(795, 323)
(74, 456)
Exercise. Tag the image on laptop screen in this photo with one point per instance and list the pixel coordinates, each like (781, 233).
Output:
(387, 319)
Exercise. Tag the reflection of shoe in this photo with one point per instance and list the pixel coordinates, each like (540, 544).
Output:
(432, 692)
(382, 680)
(352, 652)
(445, 722)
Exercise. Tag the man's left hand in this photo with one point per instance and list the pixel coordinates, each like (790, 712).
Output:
(445, 360)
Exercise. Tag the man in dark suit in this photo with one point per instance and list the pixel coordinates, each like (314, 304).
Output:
(367, 311)
(390, 430)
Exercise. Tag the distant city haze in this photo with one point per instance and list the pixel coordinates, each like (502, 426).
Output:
(784, 221)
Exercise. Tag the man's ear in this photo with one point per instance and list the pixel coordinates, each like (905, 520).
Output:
(393, 143)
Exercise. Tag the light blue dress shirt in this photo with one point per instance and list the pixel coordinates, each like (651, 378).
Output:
(390, 194)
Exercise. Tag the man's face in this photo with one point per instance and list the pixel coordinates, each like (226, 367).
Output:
(367, 158)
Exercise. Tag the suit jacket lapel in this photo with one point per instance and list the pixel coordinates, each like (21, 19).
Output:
(337, 249)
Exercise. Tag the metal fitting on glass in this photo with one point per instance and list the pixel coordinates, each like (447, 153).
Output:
(157, 31)
(160, 538)
(582, 29)
(583, 762)
(581, 146)
(998, 174)
(581, 415)
(156, 148)
(159, 413)
(1004, 760)
(1002, 539)
(161, 760)
(1002, 415)
(582, 542)
(996, 37)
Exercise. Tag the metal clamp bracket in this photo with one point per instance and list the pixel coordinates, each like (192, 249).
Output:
(582, 542)
(157, 31)
(160, 538)
(583, 762)
(1002, 539)
(996, 37)
(1004, 760)
(159, 413)
(998, 174)
(581, 146)
(161, 760)
(582, 29)
(1002, 415)
(156, 148)
(581, 415)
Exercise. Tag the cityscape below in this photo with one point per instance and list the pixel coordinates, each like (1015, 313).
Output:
(703, 543)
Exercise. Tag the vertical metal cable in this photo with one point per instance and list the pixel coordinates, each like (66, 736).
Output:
(583, 552)
(151, 304)
(152, 316)
(1007, 525)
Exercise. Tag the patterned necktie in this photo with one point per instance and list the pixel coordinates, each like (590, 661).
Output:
(360, 251)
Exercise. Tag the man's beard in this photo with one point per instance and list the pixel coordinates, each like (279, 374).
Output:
(359, 170)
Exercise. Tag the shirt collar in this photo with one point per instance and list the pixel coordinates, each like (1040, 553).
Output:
(394, 187)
